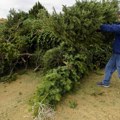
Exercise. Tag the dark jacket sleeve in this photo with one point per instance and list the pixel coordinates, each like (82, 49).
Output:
(110, 28)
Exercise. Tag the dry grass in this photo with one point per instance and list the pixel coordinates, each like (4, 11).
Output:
(14, 97)
(45, 112)
(93, 102)
(2, 20)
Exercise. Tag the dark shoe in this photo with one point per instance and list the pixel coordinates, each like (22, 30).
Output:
(101, 84)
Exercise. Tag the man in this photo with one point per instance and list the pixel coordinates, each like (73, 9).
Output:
(114, 62)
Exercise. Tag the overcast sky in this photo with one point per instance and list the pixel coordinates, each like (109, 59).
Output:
(25, 5)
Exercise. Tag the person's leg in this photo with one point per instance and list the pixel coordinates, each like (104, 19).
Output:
(109, 69)
(118, 65)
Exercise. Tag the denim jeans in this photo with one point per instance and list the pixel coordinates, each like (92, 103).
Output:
(112, 65)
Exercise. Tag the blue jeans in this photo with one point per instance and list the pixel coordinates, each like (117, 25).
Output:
(112, 65)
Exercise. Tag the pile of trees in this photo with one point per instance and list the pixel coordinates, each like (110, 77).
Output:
(66, 45)
(23, 41)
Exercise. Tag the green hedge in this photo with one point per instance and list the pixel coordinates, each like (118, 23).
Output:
(82, 47)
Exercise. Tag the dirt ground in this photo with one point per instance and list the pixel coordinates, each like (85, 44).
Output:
(14, 97)
(92, 102)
